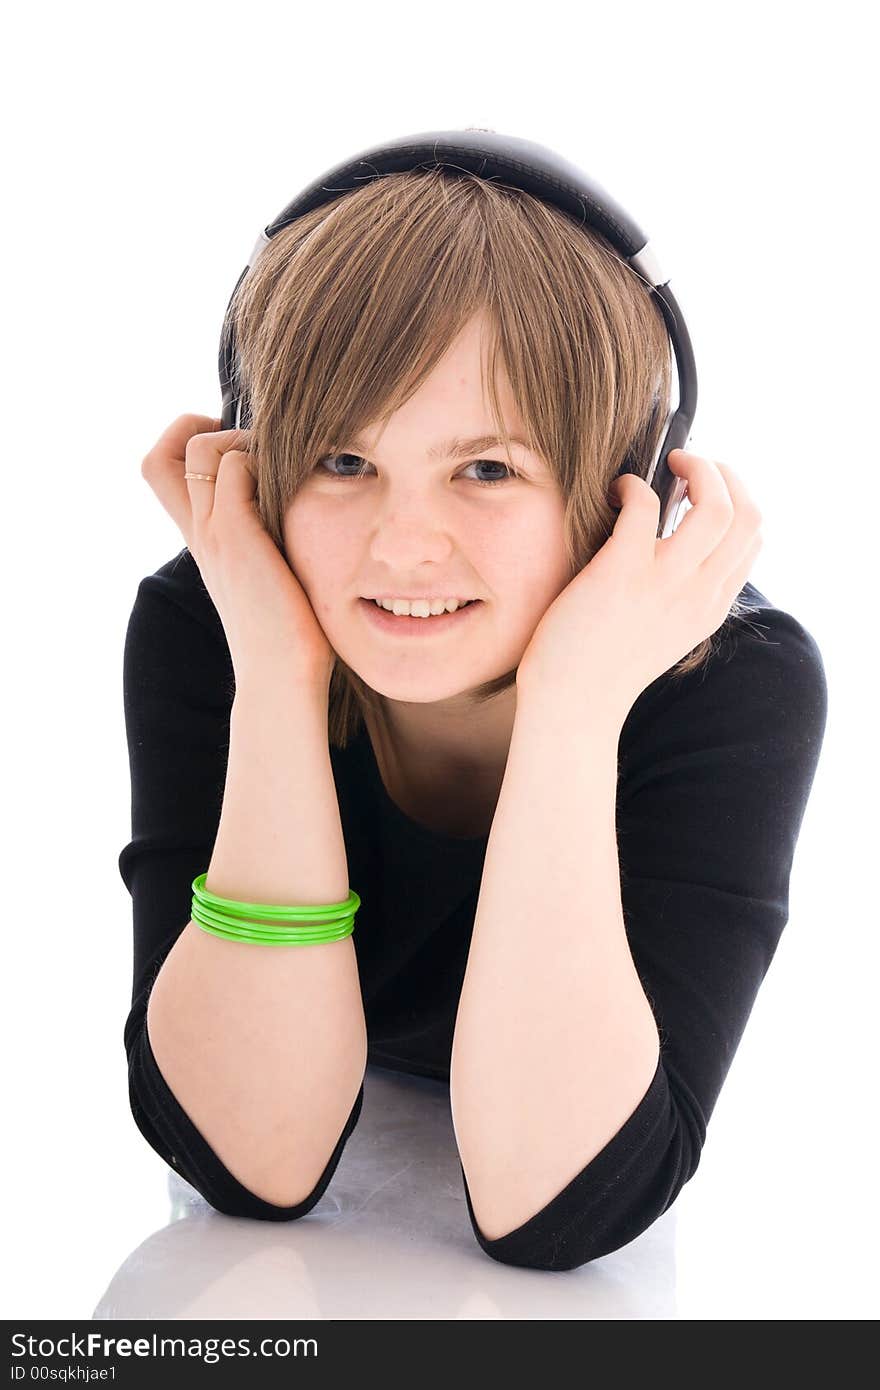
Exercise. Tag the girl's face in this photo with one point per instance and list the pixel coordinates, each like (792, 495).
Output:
(415, 523)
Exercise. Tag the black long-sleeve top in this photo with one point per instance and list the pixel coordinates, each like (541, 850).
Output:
(714, 773)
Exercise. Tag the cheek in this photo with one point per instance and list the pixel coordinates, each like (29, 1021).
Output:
(311, 543)
(530, 561)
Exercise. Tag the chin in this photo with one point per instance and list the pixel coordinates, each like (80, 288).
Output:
(416, 691)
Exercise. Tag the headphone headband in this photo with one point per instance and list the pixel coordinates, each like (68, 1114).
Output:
(541, 172)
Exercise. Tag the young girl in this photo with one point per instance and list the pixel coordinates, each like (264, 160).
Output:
(412, 664)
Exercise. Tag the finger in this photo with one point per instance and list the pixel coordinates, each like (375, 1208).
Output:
(204, 456)
(709, 517)
(740, 574)
(639, 507)
(236, 482)
(163, 468)
(171, 444)
(727, 558)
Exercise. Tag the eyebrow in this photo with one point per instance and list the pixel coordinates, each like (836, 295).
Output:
(459, 448)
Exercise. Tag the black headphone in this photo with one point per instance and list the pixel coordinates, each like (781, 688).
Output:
(546, 175)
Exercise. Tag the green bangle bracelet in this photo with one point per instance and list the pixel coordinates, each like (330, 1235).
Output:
(229, 918)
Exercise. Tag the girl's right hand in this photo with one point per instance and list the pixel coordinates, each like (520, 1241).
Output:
(265, 612)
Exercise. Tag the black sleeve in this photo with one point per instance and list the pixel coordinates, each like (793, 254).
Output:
(711, 796)
(178, 686)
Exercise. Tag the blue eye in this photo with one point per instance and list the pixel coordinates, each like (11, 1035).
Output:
(359, 471)
(492, 463)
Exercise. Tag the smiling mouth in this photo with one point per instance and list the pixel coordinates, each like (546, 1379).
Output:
(444, 612)
(407, 624)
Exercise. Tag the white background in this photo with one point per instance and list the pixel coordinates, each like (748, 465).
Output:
(144, 150)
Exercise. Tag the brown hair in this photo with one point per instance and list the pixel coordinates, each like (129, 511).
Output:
(350, 308)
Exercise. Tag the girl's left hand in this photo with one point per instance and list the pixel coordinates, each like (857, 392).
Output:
(642, 603)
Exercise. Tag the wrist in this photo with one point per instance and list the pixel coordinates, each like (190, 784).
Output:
(282, 688)
(601, 710)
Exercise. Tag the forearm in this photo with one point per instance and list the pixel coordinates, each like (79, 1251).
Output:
(264, 1047)
(555, 1041)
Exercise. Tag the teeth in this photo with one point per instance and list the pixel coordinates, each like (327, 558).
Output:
(420, 607)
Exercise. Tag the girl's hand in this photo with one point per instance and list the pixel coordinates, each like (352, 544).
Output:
(642, 603)
(266, 615)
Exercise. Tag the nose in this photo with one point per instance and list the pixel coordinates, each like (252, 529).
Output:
(407, 534)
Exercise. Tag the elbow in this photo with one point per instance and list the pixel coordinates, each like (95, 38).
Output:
(202, 1169)
(617, 1196)
(594, 1229)
(171, 1134)
(232, 1198)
